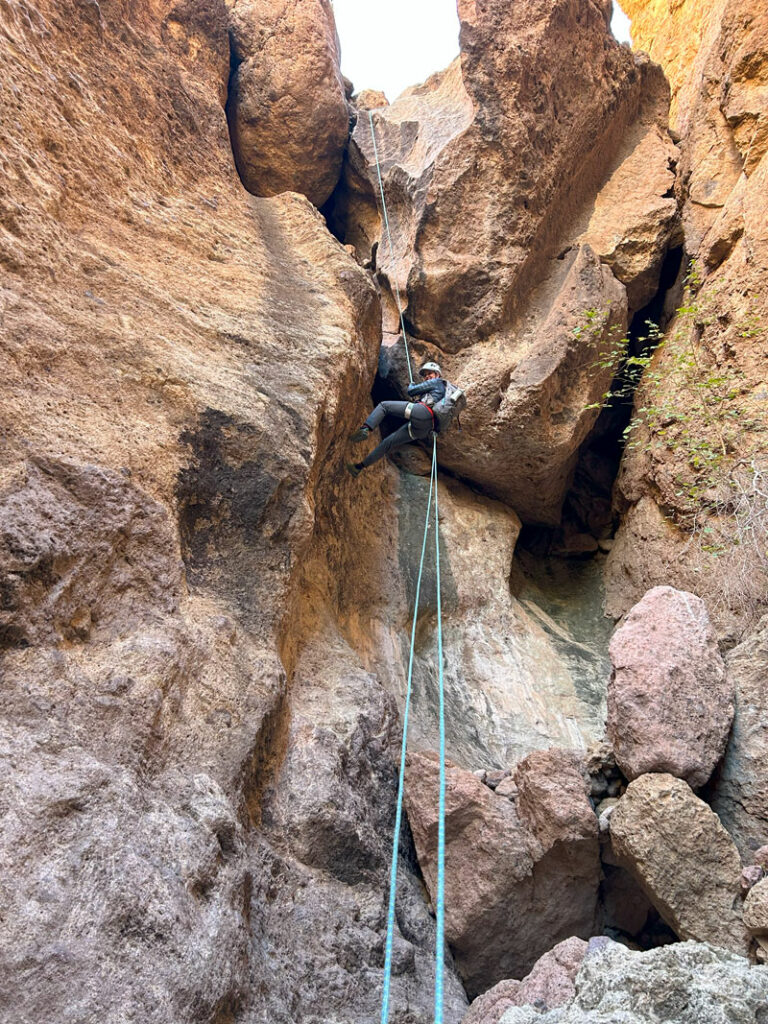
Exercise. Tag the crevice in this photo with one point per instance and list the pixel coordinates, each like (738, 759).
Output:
(229, 107)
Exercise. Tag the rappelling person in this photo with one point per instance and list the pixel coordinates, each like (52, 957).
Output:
(433, 405)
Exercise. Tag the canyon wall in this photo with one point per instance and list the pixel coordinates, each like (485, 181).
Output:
(205, 621)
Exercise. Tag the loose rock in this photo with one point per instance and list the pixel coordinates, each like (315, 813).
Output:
(681, 855)
(670, 703)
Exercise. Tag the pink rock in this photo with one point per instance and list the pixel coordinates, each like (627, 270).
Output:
(551, 983)
(750, 876)
(520, 877)
(670, 703)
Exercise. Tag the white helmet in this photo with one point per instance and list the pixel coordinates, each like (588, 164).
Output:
(430, 368)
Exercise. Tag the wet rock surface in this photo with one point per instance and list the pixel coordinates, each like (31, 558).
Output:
(670, 701)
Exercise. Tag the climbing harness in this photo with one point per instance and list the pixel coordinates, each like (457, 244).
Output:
(391, 248)
(440, 894)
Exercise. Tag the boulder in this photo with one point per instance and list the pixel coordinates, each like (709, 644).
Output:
(683, 858)
(519, 878)
(550, 984)
(684, 983)
(510, 270)
(670, 702)
(740, 796)
(287, 109)
(756, 909)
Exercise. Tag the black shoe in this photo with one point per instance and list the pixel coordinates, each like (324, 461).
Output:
(355, 468)
(360, 435)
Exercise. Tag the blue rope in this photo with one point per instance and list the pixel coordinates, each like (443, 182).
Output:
(440, 901)
(401, 782)
(391, 249)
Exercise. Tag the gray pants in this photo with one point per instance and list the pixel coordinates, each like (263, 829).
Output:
(419, 426)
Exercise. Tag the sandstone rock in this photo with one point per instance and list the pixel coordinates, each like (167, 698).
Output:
(181, 363)
(526, 874)
(471, 171)
(686, 983)
(683, 858)
(550, 984)
(670, 703)
(287, 108)
(761, 857)
(740, 795)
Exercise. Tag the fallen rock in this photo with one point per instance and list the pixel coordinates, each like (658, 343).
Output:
(684, 983)
(670, 702)
(525, 874)
(550, 984)
(756, 908)
(740, 795)
(287, 109)
(750, 876)
(683, 858)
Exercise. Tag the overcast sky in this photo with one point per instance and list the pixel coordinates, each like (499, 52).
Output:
(398, 43)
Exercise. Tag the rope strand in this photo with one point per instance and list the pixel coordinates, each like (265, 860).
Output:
(391, 248)
(401, 782)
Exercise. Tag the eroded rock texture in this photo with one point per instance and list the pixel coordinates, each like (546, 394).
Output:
(287, 107)
(684, 983)
(741, 788)
(197, 788)
(670, 701)
(502, 246)
(534, 862)
(691, 490)
(681, 855)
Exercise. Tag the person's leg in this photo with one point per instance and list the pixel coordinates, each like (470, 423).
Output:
(386, 409)
(400, 437)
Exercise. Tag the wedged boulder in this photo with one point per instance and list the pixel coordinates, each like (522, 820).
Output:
(492, 193)
(740, 795)
(676, 848)
(517, 880)
(670, 702)
(550, 984)
(684, 983)
(287, 109)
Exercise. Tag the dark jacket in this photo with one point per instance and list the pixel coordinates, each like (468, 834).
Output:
(429, 391)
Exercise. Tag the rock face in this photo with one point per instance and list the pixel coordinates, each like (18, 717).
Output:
(550, 984)
(181, 362)
(691, 488)
(670, 702)
(510, 686)
(683, 858)
(287, 107)
(741, 789)
(521, 876)
(505, 181)
(685, 983)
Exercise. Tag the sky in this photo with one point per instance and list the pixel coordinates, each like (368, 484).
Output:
(392, 45)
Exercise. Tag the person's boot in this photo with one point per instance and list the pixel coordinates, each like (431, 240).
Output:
(360, 435)
(355, 468)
